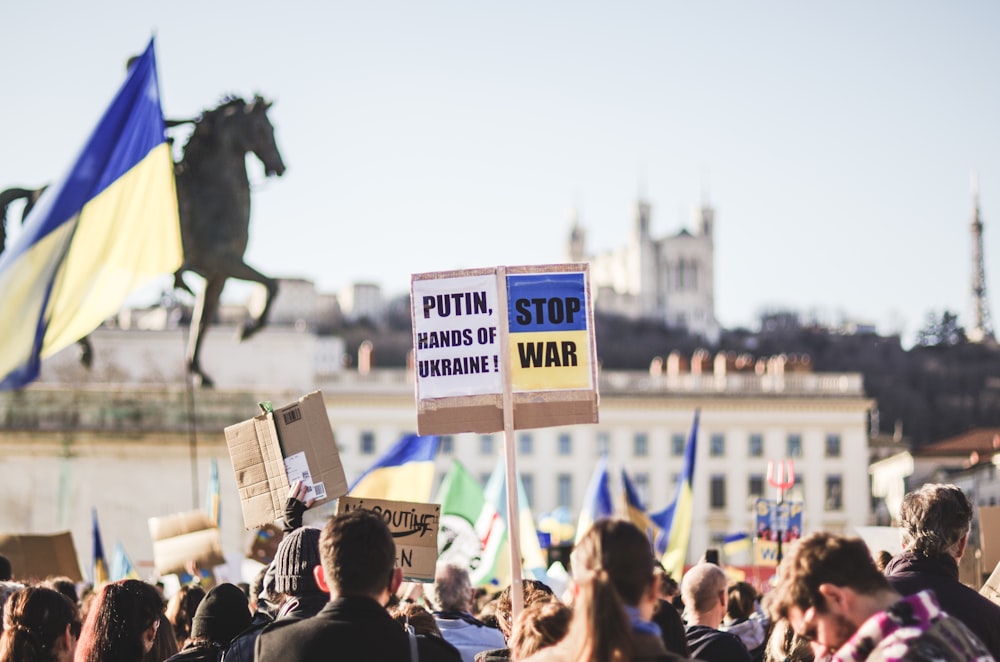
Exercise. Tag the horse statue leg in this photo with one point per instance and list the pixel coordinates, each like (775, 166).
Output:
(205, 309)
(243, 271)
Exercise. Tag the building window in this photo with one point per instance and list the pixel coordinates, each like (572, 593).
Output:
(834, 493)
(755, 486)
(564, 490)
(528, 482)
(833, 445)
(603, 443)
(677, 443)
(794, 445)
(565, 444)
(717, 445)
(524, 445)
(641, 482)
(367, 443)
(640, 444)
(486, 444)
(717, 498)
(756, 443)
(446, 444)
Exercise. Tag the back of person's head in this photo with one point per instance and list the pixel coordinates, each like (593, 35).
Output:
(35, 622)
(296, 558)
(539, 626)
(669, 587)
(742, 601)
(701, 587)
(783, 645)
(823, 558)
(358, 554)
(181, 609)
(118, 622)
(64, 585)
(165, 643)
(5, 569)
(935, 520)
(533, 591)
(412, 614)
(882, 560)
(7, 589)
(452, 590)
(222, 615)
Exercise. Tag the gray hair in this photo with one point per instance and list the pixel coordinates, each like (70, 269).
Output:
(935, 520)
(452, 588)
(702, 585)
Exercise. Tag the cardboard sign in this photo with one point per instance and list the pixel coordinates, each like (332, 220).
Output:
(40, 556)
(991, 589)
(264, 545)
(989, 535)
(468, 326)
(272, 450)
(182, 538)
(414, 526)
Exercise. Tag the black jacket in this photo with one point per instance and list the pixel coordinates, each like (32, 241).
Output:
(347, 629)
(714, 645)
(909, 573)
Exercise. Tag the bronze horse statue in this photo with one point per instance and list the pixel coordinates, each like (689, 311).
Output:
(213, 198)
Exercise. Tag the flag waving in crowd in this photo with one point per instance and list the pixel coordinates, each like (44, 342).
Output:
(404, 473)
(107, 228)
(675, 520)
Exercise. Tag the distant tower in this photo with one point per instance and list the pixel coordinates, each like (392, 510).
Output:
(982, 331)
(577, 240)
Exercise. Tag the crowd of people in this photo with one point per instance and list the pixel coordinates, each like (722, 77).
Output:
(335, 594)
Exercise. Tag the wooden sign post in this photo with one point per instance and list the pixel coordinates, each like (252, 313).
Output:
(504, 348)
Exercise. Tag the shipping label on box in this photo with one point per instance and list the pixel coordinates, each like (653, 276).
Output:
(414, 527)
(274, 449)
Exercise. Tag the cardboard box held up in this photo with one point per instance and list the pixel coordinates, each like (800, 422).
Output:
(35, 556)
(273, 450)
(184, 537)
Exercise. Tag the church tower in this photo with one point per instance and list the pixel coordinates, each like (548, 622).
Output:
(982, 329)
(577, 248)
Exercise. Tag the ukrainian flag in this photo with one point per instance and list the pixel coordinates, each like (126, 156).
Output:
(675, 519)
(405, 473)
(99, 567)
(106, 229)
(597, 503)
(636, 510)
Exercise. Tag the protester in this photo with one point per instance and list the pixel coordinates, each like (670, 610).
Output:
(64, 585)
(180, 610)
(7, 589)
(666, 615)
(411, 615)
(935, 522)
(357, 569)
(452, 597)
(121, 624)
(615, 594)
(40, 625)
(833, 595)
(706, 597)
(165, 644)
(222, 615)
(6, 572)
(783, 645)
(533, 592)
(744, 620)
(539, 626)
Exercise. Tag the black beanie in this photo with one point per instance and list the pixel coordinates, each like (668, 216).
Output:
(222, 614)
(294, 561)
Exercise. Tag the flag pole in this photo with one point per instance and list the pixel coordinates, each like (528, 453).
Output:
(513, 521)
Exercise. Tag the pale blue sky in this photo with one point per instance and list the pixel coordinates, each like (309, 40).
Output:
(835, 140)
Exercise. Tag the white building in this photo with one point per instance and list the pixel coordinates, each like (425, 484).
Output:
(671, 279)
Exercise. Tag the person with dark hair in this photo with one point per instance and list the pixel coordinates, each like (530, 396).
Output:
(121, 624)
(783, 645)
(222, 615)
(539, 626)
(452, 597)
(533, 592)
(743, 619)
(165, 643)
(180, 611)
(615, 594)
(706, 597)
(412, 615)
(41, 625)
(935, 521)
(833, 595)
(7, 589)
(64, 585)
(357, 568)
(667, 616)
(5, 569)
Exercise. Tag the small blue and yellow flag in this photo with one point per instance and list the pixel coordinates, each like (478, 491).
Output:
(106, 229)
(675, 519)
(404, 473)
(99, 567)
(597, 502)
(635, 510)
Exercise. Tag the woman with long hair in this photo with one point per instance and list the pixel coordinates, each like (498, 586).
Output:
(39, 625)
(122, 623)
(181, 609)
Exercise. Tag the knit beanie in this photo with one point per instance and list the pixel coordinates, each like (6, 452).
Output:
(294, 561)
(222, 614)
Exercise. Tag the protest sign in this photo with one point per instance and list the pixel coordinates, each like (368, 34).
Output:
(185, 537)
(414, 527)
(989, 535)
(35, 556)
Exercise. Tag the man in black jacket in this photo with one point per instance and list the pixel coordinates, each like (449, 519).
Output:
(935, 522)
(357, 559)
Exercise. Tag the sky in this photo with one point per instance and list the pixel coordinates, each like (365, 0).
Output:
(835, 141)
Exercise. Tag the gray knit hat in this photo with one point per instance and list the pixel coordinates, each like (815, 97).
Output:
(294, 561)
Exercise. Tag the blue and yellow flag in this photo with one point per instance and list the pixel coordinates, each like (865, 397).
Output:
(597, 502)
(106, 229)
(121, 564)
(213, 502)
(405, 473)
(635, 510)
(99, 566)
(675, 519)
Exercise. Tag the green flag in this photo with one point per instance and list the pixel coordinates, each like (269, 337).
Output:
(461, 499)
